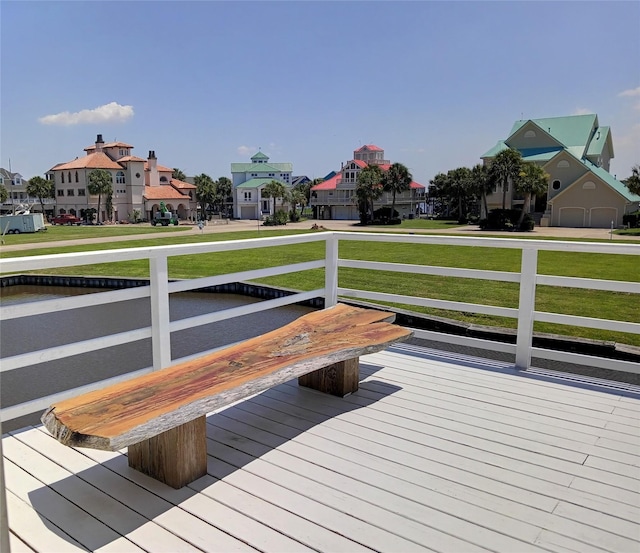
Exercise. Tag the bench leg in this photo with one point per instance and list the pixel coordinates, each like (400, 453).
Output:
(339, 379)
(175, 457)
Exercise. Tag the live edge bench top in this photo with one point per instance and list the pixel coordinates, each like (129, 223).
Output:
(138, 409)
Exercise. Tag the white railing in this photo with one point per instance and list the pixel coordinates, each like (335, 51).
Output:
(161, 287)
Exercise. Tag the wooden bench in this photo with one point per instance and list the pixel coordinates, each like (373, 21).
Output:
(161, 416)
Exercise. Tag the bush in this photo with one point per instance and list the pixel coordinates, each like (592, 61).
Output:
(632, 219)
(506, 219)
(279, 218)
(294, 216)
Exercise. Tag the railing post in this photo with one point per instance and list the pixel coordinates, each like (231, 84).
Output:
(526, 307)
(160, 333)
(331, 271)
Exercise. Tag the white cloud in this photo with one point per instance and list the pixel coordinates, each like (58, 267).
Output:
(631, 92)
(109, 113)
(246, 150)
(582, 111)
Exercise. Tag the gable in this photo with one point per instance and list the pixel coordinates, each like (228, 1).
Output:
(531, 136)
(564, 168)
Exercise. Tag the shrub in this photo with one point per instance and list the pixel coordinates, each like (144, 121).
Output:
(294, 216)
(632, 219)
(506, 219)
(279, 218)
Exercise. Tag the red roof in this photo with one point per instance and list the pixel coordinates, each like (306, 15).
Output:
(131, 158)
(110, 145)
(160, 168)
(331, 184)
(182, 185)
(163, 192)
(370, 148)
(96, 160)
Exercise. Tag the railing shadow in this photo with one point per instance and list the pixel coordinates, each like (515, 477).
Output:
(110, 501)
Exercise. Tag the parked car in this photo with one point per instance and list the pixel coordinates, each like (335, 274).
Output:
(66, 219)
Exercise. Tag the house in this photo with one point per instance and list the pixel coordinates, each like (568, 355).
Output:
(576, 153)
(139, 185)
(248, 181)
(335, 198)
(16, 186)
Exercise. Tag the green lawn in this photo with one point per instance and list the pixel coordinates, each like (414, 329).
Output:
(588, 303)
(421, 224)
(55, 233)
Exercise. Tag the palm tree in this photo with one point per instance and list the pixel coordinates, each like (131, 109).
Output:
(532, 181)
(633, 182)
(275, 189)
(41, 189)
(368, 190)
(460, 188)
(100, 184)
(396, 180)
(223, 189)
(205, 192)
(482, 184)
(178, 174)
(504, 170)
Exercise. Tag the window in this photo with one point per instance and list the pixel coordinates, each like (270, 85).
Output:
(81, 192)
(76, 176)
(62, 176)
(120, 177)
(70, 192)
(589, 185)
(69, 175)
(60, 192)
(247, 196)
(265, 205)
(254, 174)
(562, 164)
(530, 134)
(556, 185)
(163, 179)
(271, 174)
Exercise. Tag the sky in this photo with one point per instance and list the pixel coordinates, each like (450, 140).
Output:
(205, 84)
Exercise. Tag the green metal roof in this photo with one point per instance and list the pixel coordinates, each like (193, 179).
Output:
(540, 154)
(573, 130)
(614, 183)
(493, 152)
(258, 182)
(259, 155)
(596, 146)
(261, 167)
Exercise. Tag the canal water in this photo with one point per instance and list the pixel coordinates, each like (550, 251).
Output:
(54, 329)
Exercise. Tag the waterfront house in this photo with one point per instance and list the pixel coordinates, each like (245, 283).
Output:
(249, 179)
(576, 153)
(335, 197)
(139, 185)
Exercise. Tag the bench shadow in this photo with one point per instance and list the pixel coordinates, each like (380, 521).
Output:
(109, 500)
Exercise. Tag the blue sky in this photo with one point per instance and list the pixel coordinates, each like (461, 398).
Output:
(205, 84)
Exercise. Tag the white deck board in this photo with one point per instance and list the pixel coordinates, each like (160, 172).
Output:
(435, 452)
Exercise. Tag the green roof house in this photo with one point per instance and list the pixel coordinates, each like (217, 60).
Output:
(576, 153)
(248, 181)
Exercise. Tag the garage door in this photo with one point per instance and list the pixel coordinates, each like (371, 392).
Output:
(571, 217)
(601, 217)
(247, 212)
(344, 213)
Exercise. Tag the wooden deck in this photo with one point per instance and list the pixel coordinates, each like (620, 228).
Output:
(435, 452)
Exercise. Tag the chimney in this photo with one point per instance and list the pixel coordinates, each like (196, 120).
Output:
(99, 143)
(152, 164)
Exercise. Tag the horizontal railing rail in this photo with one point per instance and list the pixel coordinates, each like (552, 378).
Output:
(161, 287)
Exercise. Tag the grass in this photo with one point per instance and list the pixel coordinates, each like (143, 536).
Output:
(55, 233)
(587, 303)
(628, 232)
(421, 224)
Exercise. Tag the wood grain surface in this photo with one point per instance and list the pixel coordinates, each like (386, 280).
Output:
(138, 409)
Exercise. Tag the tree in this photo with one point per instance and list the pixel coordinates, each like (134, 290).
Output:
(482, 185)
(439, 194)
(205, 192)
(4, 193)
(224, 190)
(633, 182)
(396, 180)
(532, 181)
(368, 190)
(100, 184)
(460, 190)
(298, 198)
(178, 174)
(504, 170)
(275, 189)
(41, 189)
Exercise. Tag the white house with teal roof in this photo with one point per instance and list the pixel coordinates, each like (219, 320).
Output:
(248, 181)
(576, 153)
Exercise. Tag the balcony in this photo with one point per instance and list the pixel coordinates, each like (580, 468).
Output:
(437, 451)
